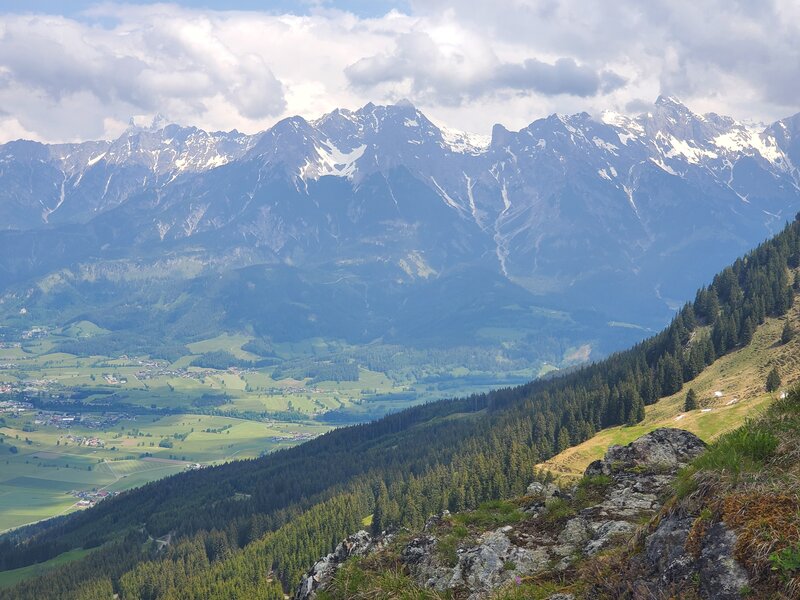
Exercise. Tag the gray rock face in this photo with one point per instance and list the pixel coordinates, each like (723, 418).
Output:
(495, 561)
(665, 550)
(721, 577)
(321, 574)
(640, 476)
(544, 490)
(604, 532)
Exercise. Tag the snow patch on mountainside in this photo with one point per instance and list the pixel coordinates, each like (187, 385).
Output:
(683, 148)
(748, 141)
(462, 142)
(627, 129)
(332, 161)
(446, 197)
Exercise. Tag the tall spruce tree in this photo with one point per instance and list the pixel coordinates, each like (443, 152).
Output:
(773, 380)
(690, 403)
(788, 333)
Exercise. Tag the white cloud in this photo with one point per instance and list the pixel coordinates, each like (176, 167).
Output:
(468, 63)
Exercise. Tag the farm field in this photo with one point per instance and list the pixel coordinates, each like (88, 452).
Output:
(149, 418)
(37, 481)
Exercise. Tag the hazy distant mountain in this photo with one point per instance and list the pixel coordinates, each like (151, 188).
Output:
(376, 223)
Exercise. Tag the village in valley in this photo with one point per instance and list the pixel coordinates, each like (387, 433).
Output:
(77, 426)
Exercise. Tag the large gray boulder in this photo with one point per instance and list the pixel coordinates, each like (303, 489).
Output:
(663, 449)
(494, 561)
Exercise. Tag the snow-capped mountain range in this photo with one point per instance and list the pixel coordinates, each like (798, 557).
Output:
(571, 211)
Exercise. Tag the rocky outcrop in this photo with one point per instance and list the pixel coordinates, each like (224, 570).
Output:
(720, 575)
(323, 571)
(626, 487)
(492, 561)
(711, 569)
(634, 479)
(662, 449)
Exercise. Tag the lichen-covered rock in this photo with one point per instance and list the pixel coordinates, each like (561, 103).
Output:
(495, 561)
(574, 535)
(665, 550)
(419, 555)
(321, 574)
(662, 449)
(721, 577)
(673, 567)
(603, 532)
(543, 490)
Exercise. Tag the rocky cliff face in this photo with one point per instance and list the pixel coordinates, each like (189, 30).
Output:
(619, 504)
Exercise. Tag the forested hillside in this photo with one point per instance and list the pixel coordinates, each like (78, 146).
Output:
(249, 529)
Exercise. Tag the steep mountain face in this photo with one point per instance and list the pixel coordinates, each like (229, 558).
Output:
(380, 203)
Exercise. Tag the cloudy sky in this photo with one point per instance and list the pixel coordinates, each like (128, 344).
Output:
(80, 69)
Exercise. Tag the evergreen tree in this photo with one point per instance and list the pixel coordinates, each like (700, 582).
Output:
(787, 334)
(670, 375)
(773, 380)
(637, 411)
(690, 403)
(381, 506)
(563, 439)
(748, 330)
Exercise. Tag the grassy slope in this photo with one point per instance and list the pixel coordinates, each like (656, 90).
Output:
(9, 578)
(739, 376)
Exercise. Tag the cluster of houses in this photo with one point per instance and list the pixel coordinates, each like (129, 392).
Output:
(92, 442)
(14, 407)
(87, 499)
(29, 385)
(294, 436)
(35, 333)
(155, 370)
(89, 421)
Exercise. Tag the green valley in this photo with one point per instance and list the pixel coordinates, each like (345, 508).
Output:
(87, 423)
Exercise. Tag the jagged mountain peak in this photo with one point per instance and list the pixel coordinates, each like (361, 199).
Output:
(584, 176)
(157, 123)
(673, 102)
